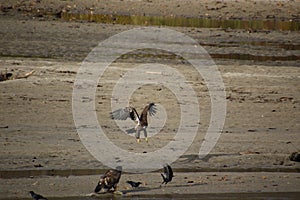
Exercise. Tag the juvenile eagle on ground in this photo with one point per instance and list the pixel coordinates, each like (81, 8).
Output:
(141, 120)
(109, 180)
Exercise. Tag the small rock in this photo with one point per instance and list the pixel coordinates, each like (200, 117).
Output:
(278, 162)
(38, 165)
(118, 193)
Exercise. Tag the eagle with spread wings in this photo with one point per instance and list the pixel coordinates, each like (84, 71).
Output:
(141, 120)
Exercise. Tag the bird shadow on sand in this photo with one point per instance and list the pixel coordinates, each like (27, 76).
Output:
(186, 185)
(140, 189)
(194, 157)
(144, 189)
(130, 131)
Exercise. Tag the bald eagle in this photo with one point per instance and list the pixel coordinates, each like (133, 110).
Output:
(109, 180)
(141, 120)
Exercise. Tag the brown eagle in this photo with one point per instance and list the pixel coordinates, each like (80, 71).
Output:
(141, 120)
(109, 180)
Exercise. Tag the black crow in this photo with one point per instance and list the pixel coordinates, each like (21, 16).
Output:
(295, 156)
(134, 184)
(167, 175)
(36, 196)
(5, 76)
(141, 120)
(109, 180)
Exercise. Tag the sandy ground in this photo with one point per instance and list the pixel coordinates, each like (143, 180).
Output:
(185, 185)
(38, 135)
(222, 9)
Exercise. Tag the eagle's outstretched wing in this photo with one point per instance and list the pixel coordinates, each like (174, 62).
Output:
(130, 112)
(124, 113)
(151, 109)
